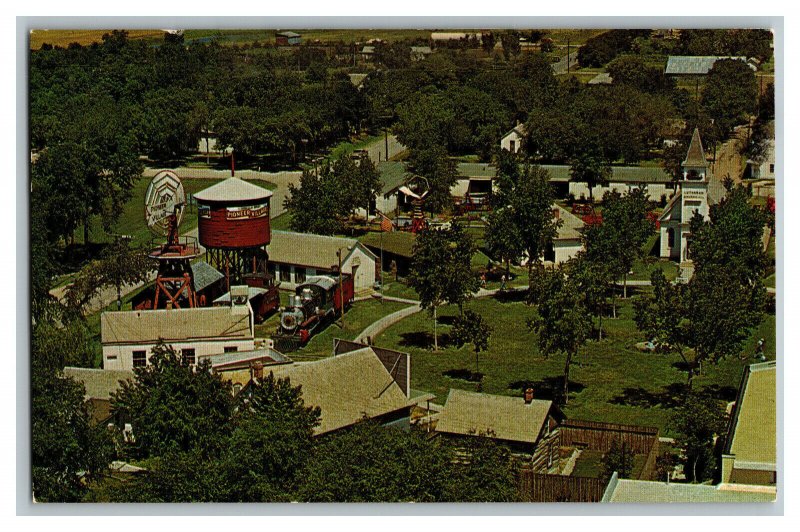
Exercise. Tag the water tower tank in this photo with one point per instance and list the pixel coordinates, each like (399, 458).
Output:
(233, 214)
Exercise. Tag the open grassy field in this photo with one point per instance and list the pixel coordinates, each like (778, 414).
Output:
(131, 220)
(83, 37)
(610, 380)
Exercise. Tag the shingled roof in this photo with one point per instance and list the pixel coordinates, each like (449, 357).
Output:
(695, 156)
(506, 418)
(232, 190)
(147, 326)
(345, 387)
(99, 383)
(310, 250)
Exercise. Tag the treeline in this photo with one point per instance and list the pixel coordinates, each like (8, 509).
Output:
(168, 95)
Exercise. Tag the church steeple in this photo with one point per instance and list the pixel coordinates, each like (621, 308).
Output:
(695, 165)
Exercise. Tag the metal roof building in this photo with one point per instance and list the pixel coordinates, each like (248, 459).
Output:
(687, 65)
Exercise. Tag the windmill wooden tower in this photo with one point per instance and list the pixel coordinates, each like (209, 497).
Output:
(164, 203)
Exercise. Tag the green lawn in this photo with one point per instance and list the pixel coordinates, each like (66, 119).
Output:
(642, 270)
(282, 222)
(131, 219)
(356, 319)
(612, 381)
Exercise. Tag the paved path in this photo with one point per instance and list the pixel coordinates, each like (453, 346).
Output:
(377, 327)
(377, 149)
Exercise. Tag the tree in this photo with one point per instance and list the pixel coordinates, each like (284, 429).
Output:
(317, 205)
(118, 265)
(619, 240)
(532, 205)
(370, 463)
(441, 173)
(595, 281)
(503, 240)
(470, 328)
(174, 407)
(562, 321)
(366, 183)
(730, 93)
(618, 460)
(511, 46)
(271, 441)
(441, 269)
(697, 420)
(662, 317)
(67, 452)
(484, 471)
(634, 71)
(590, 167)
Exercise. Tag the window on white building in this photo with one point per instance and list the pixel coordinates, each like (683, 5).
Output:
(188, 357)
(139, 359)
(231, 349)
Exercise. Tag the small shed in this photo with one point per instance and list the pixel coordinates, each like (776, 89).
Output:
(526, 425)
(395, 246)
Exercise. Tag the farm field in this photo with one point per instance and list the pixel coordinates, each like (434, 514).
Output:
(611, 381)
(83, 37)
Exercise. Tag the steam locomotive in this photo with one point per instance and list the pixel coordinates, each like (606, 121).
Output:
(315, 302)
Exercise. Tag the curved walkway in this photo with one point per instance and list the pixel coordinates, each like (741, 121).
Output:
(377, 327)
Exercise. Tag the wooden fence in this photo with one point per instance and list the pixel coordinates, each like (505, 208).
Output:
(541, 487)
(599, 436)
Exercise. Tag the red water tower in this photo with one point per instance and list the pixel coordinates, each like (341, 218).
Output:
(233, 226)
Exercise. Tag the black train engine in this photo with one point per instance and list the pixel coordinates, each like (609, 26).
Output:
(316, 302)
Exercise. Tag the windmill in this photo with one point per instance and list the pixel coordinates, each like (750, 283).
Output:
(164, 203)
(417, 188)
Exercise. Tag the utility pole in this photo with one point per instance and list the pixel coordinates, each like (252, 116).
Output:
(386, 141)
(567, 55)
(341, 286)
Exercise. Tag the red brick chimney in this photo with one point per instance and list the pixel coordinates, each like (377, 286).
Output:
(528, 396)
(257, 370)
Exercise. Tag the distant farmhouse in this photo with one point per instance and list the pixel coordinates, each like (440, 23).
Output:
(293, 257)
(288, 38)
(687, 65)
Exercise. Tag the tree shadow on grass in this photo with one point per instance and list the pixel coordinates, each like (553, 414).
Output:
(463, 374)
(423, 340)
(548, 388)
(511, 296)
(670, 396)
(447, 320)
(721, 393)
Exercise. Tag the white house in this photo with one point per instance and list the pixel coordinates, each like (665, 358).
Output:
(568, 241)
(294, 257)
(129, 336)
(512, 141)
(692, 198)
(764, 169)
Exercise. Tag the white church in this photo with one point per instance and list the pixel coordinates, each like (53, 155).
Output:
(697, 190)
